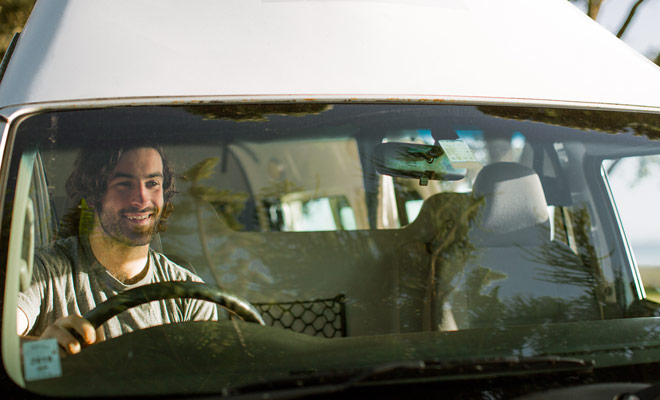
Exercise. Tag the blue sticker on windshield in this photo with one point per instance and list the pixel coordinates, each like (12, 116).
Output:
(41, 360)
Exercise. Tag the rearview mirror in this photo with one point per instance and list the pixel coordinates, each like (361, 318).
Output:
(441, 161)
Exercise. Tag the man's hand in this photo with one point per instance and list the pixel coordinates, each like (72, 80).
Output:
(73, 333)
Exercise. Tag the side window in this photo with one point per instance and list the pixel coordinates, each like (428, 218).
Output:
(635, 185)
(316, 214)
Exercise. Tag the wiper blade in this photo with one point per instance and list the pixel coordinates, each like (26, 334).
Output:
(513, 365)
(305, 383)
(315, 383)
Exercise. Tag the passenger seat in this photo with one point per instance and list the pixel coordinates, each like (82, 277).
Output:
(517, 275)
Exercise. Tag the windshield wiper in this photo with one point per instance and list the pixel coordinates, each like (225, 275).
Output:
(306, 383)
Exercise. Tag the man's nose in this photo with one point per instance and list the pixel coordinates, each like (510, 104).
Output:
(140, 197)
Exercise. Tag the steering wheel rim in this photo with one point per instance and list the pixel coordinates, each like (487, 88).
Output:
(172, 290)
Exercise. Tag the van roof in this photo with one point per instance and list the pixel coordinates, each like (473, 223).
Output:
(508, 51)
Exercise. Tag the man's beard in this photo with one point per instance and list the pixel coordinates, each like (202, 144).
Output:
(116, 226)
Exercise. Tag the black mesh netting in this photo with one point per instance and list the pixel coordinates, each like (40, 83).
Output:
(319, 317)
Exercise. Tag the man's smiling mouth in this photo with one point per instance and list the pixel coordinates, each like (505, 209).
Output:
(138, 217)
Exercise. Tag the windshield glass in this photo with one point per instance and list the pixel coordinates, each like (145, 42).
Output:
(332, 237)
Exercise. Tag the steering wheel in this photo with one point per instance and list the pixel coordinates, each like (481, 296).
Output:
(172, 290)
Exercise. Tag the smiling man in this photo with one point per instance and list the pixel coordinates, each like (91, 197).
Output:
(125, 197)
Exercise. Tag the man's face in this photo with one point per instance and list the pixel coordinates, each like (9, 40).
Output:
(133, 202)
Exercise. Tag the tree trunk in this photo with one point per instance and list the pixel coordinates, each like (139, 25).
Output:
(631, 14)
(593, 7)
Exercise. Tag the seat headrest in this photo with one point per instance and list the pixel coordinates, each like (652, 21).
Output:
(514, 201)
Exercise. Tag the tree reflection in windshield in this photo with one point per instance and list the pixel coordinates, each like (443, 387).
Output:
(556, 264)
(580, 268)
(451, 249)
(437, 260)
(430, 274)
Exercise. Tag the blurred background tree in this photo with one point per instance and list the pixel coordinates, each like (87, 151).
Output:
(592, 8)
(13, 14)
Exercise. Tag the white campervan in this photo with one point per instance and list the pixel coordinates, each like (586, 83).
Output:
(285, 199)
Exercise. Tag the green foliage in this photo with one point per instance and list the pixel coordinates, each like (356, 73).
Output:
(13, 14)
(228, 204)
(201, 170)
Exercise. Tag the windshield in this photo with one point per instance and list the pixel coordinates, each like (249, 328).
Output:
(334, 237)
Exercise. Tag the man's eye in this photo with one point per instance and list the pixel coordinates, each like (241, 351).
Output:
(152, 184)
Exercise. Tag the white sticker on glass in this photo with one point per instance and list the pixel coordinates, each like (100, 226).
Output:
(458, 153)
(41, 360)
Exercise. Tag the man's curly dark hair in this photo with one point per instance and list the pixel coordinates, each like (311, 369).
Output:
(89, 181)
